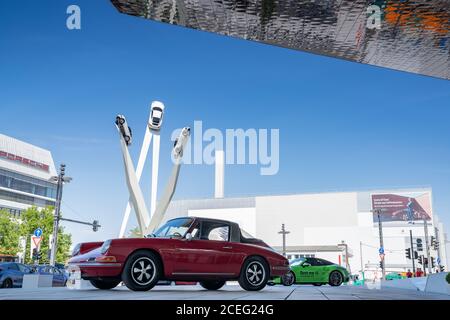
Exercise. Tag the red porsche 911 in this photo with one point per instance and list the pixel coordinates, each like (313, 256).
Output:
(207, 251)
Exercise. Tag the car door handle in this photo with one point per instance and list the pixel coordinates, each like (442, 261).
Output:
(228, 248)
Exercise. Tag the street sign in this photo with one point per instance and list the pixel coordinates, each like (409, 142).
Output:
(37, 241)
(35, 244)
(438, 261)
(38, 233)
(381, 251)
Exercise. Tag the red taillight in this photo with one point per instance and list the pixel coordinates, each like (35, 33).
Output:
(106, 259)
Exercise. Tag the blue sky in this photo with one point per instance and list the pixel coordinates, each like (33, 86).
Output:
(343, 126)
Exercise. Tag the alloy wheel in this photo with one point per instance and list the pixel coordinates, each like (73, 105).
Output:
(143, 271)
(336, 279)
(256, 273)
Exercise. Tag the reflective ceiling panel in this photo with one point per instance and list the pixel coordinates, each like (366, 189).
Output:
(410, 36)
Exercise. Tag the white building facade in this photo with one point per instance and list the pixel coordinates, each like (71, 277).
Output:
(25, 172)
(342, 220)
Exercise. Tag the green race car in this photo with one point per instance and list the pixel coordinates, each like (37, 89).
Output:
(314, 271)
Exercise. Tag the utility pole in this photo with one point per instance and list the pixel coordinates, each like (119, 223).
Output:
(284, 233)
(413, 254)
(361, 254)
(427, 246)
(380, 229)
(438, 247)
(60, 180)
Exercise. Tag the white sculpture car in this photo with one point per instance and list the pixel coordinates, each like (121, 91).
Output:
(156, 115)
(125, 130)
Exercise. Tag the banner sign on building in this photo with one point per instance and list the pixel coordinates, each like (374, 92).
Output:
(403, 207)
(31, 163)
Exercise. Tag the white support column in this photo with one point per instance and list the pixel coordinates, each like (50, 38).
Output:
(137, 199)
(140, 168)
(163, 204)
(155, 172)
(220, 175)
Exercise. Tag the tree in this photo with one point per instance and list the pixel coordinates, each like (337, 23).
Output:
(9, 234)
(135, 233)
(34, 218)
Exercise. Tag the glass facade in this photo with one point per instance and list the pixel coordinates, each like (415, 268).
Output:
(412, 36)
(20, 198)
(27, 184)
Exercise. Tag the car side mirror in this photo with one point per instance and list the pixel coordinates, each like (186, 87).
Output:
(306, 265)
(189, 237)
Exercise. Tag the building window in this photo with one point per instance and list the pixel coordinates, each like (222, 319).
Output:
(20, 198)
(12, 180)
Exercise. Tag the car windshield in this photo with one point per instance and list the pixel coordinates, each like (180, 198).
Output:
(174, 229)
(297, 262)
(157, 114)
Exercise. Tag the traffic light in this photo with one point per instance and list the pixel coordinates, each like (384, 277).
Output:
(433, 241)
(35, 254)
(425, 262)
(442, 269)
(408, 253)
(419, 245)
(416, 255)
(421, 260)
(432, 263)
(381, 264)
(95, 226)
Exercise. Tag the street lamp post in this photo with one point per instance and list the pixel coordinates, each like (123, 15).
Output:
(378, 212)
(60, 180)
(284, 233)
(427, 245)
(413, 253)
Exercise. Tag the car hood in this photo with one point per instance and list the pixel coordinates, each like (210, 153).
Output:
(87, 257)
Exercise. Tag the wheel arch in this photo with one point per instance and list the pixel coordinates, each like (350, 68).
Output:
(333, 271)
(257, 256)
(158, 255)
(6, 279)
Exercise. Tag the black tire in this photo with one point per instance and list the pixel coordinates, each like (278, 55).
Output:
(105, 284)
(336, 279)
(7, 284)
(142, 271)
(254, 275)
(288, 280)
(317, 284)
(213, 285)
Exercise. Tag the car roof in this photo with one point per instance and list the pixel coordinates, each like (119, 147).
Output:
(207, 219)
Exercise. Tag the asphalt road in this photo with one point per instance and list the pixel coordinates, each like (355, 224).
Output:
(230, 292)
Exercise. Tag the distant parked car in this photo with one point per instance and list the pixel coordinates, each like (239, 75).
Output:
(59, 276)
(314, 271)
(394, 276)
(11, 274)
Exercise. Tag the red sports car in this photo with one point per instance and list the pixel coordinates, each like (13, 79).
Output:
(207, 251)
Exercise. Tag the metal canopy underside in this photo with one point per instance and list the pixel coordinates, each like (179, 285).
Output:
(412, 36)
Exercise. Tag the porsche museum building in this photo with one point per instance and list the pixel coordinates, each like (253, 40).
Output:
(338, 226)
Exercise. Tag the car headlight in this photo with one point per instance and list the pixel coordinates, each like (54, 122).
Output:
(105, 247)
(76, 250)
